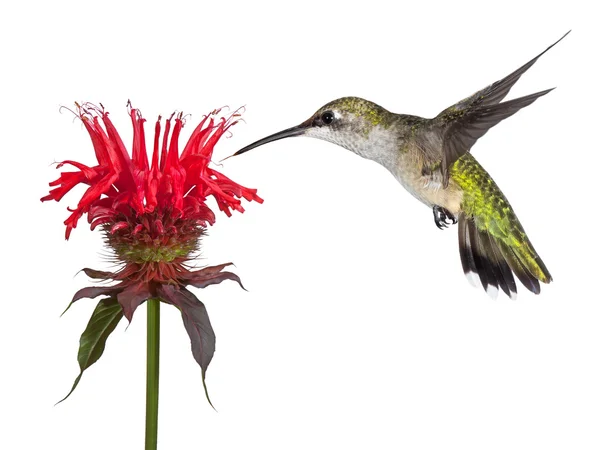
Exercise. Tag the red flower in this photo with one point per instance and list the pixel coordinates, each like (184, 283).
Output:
(153, 213)
(171, 185)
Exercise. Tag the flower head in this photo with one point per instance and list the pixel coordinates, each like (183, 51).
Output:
(170, 186)
(153, 212)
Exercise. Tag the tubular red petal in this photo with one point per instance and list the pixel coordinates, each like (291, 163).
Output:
(163, 153)
(118, 226)
(173, 154)
(117, 148)
(158, 225)
(100, 220)
(140, 156)
(156, 143)
(97, 141)
(195, 142)
(94, 192)
(88, 172)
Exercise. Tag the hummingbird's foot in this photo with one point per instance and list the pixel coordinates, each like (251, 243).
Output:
(443, 217)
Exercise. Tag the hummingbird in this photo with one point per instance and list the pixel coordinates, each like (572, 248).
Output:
(431, 159)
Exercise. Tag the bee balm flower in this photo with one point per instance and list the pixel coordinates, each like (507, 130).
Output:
(153, 214)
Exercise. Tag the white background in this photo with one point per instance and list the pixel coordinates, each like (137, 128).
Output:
(359, 329)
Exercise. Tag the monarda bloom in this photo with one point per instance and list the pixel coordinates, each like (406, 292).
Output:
(153, 214)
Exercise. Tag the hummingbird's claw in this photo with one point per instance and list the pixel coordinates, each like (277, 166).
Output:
(443, 217)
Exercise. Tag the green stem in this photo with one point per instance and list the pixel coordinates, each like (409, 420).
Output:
(152, 363)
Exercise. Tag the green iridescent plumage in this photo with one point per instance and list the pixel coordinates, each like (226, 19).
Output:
(431, 158)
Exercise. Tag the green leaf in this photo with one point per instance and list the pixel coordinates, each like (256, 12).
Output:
(103, 322)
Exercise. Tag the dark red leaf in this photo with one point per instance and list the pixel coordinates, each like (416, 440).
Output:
(132, 297)
(98, 274)
(196, 323)
(93, 292)
(214, 269)
(201, 280)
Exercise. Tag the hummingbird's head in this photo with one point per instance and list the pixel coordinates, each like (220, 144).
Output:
(351, 122)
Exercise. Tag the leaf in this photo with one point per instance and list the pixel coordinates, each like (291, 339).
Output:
(132, 297)
(201, 280)
(93, 292)
(104, 320)
(212, 275)
(214, 269)
(196, 323)
(98, 274)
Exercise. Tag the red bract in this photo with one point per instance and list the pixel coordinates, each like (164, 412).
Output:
(153, 213)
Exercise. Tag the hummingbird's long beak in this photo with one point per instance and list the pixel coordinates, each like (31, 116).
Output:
(290, 132)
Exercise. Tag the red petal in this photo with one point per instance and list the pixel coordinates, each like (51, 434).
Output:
(88, 172)
(140, 157)
(118, 226)
(116, 150)
(197, 139)
(158, 225)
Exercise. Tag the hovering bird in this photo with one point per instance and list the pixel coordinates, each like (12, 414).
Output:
(431, 158)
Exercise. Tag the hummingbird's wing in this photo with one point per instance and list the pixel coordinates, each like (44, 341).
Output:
(468, 120)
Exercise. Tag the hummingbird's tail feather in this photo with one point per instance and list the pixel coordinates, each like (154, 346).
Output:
(494, 259)
(524, 274)
(480, 256)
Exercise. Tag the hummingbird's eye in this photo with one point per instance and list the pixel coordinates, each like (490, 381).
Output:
(327, 117)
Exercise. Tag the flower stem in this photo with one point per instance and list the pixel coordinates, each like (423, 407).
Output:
(152, 364)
